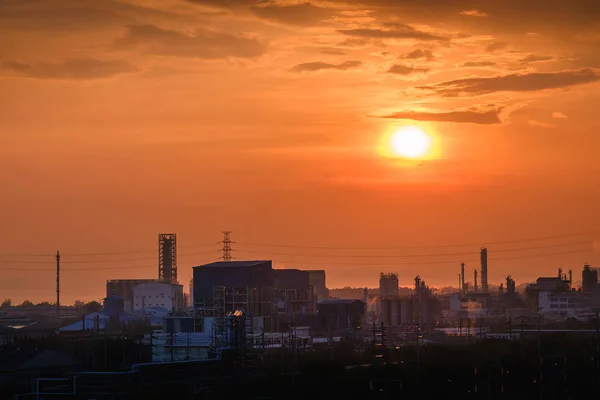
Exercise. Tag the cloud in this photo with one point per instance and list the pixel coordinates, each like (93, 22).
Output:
(206, 44)
(471, 64)
(535, 58)
(472, 116)
(333, 51)
(418, 53)
(492, 47)
(227, 3)
(67, 15)
(77, 69)
(295, 14)
(400, 69)
(399, 31)
(16, 65)
(538, 124)
(559, 115)
(528, 82)
(320, 65)
(473, 13)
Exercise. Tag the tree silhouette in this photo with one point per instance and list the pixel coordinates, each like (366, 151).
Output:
(92, 307)
(79, 304)
(6, 303)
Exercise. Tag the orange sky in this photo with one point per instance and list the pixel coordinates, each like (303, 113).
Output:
(121, 119)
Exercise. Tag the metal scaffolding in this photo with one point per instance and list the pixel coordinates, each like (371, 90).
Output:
(230, 306)
(167, 257)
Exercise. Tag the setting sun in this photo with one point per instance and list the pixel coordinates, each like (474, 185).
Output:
(410, 142)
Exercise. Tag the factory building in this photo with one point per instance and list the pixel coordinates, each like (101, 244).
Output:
(317, 279)
(292, 294)
(589, 279)
(567, 304)
(157, 294)
(124, 288)
(276, 297)
(339, 314)
(388, 285)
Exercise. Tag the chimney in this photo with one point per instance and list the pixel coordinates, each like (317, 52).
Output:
(475, 280)
(462, 277)
(484, 270)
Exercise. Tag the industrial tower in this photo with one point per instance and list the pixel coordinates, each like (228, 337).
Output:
(167, 257)
(484, 271)
(462, 278)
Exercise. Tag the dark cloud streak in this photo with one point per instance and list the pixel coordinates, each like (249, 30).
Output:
(399, 31)
(77, 69)
(296, 14)
(400, 69)
(205, 44)
(320, 65)
(466, 116)
(514, 83)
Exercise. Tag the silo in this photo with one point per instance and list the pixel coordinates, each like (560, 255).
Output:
(406, 311)
(395, 312)
(385, 316)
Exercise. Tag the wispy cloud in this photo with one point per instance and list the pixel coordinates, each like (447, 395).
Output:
(473, 13)
(399, 31)
(532, 58)
(294, 14)
(417, 54)
(559, 115)
(492, 47)
(472, 116)
(528, 82)
(320, 65)
(472, 64)
(400, 69)
(204, 43)
(538, 124)
(76, 69)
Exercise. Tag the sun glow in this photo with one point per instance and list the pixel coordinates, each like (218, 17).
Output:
(410, 142)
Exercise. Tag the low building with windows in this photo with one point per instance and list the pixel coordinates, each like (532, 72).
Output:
(564, 304)
(162, 295)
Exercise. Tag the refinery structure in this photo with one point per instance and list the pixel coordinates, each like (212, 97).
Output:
(245, 304)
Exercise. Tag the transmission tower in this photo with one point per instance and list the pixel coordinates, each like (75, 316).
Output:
(226, 246)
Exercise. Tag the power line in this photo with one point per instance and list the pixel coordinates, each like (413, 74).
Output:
(470, 253)
(480, 244)
(335, 262)
(313, 255)
(100, 254)
(99, 261)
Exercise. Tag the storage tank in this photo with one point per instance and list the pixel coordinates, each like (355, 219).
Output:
(395, 312)
(406, 310)
(385, 316)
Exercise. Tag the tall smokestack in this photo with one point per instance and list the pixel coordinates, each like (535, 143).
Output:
(462, 277)
(475, 280)
(484, 271)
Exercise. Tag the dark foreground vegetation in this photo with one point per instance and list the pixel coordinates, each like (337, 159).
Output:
(556, 367)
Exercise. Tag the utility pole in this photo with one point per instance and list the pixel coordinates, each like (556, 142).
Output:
(418, 350)
(57, 284)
